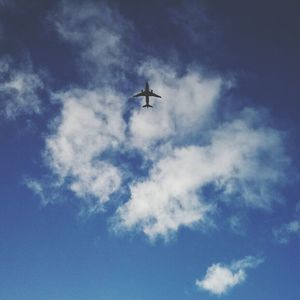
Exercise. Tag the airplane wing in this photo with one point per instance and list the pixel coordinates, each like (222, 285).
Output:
(154, 95)
(140, 94)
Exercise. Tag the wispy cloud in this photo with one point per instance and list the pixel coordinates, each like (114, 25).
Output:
(287, 231)
(192, 19)
(97, 33)
(19, 88)
(220, 278)
(236, 224)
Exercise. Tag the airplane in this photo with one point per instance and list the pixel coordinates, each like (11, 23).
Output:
(147, 93)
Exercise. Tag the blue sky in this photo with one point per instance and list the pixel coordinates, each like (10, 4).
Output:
(196, 198)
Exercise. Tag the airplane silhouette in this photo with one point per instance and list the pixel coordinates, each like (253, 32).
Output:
(147, 93)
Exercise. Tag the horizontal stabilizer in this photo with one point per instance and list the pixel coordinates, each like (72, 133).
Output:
(147, 105)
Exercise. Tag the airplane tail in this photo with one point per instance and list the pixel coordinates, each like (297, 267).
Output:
(147, 105)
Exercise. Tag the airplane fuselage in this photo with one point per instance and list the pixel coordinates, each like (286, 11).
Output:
(147, 96)
(147, 100)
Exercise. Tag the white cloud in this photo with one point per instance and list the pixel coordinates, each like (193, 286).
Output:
(233, 161)
(90, 124)
(168, 199)
(285, 232)
(242, 159)
(19, 89)
(219, 278)
(187, 147)
(256, 156)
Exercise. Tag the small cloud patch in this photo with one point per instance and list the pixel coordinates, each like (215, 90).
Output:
(219, 278)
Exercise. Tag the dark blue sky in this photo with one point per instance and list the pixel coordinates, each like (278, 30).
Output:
(196, 198)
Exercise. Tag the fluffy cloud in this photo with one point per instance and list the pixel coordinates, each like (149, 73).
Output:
(168, 199)
(19, 89)
(187, 148)
(219, 278)
(90, 124)
(231, 161)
